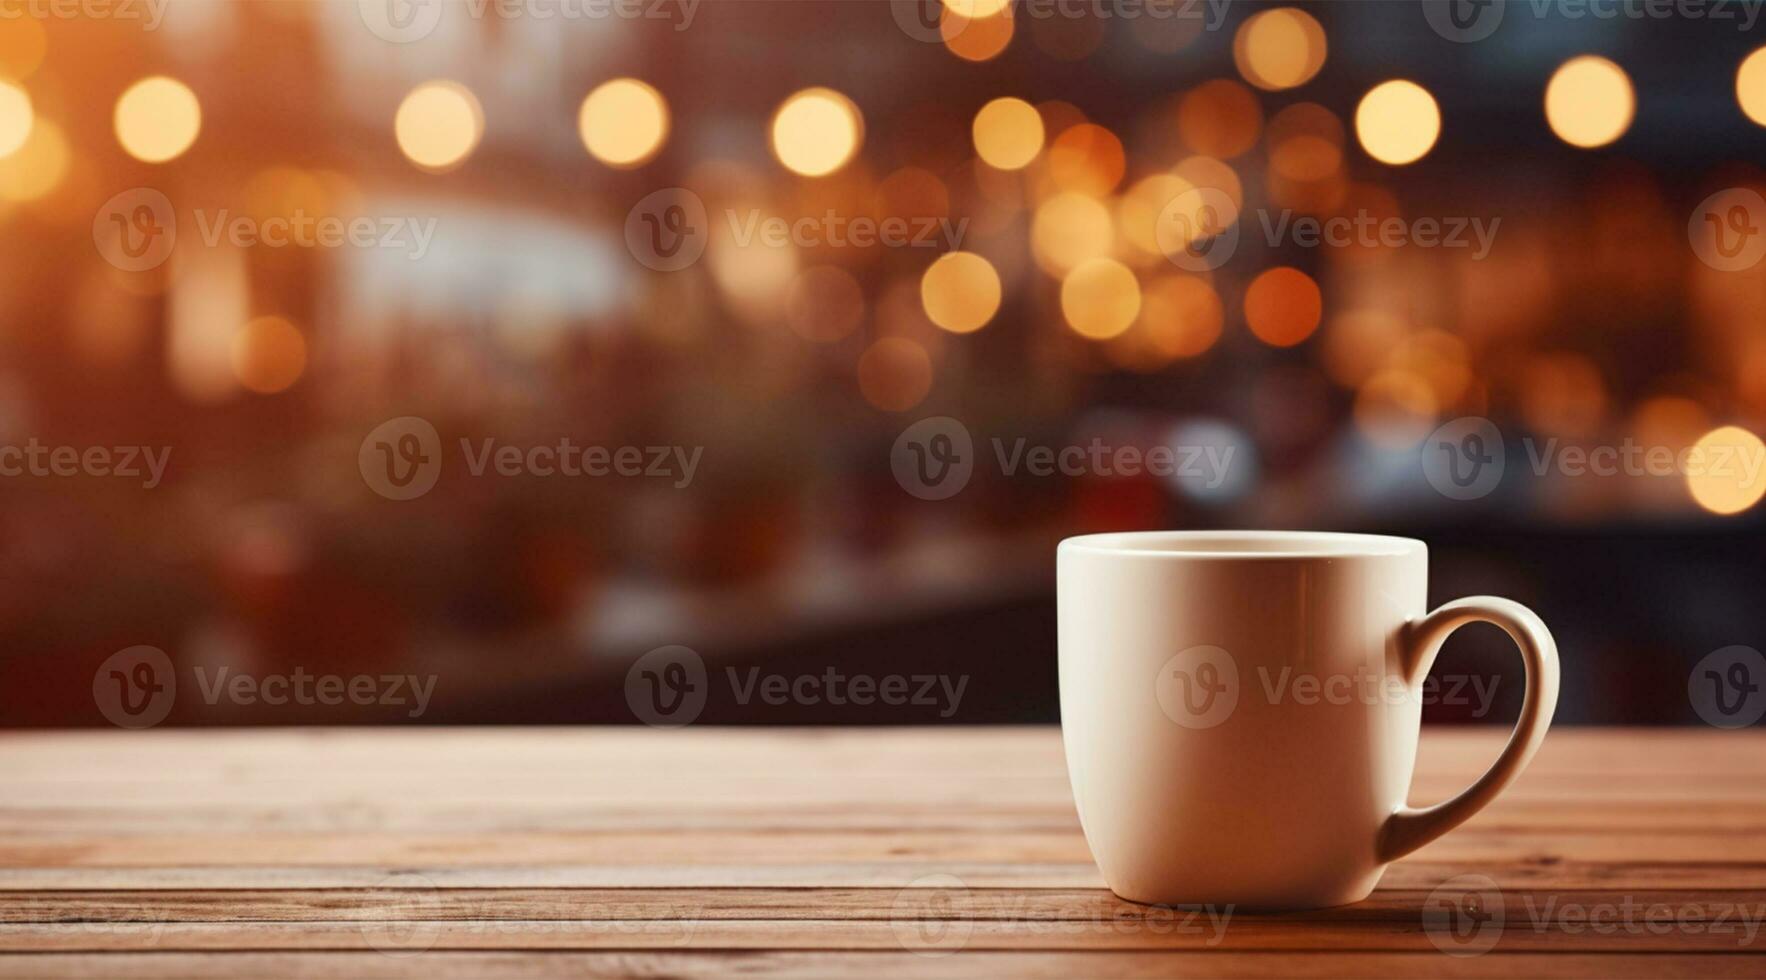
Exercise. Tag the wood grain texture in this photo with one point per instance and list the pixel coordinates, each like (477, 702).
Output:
(947, 853)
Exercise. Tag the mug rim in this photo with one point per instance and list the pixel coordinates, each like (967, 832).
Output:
(1224, 545)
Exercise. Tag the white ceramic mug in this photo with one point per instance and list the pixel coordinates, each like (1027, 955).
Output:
(1241, 710)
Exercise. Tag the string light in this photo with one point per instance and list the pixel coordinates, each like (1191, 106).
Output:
(438, 125)
(1589, 102)
(1397, 122)
(157, 119)
(816, 131)
(623, 122)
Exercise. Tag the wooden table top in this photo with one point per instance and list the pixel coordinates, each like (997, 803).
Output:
(951, 852)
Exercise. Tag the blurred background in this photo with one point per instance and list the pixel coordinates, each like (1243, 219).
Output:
(242, 237)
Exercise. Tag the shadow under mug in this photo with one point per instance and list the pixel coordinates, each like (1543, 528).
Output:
(1241, 710)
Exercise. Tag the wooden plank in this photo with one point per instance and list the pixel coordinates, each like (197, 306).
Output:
(1410, 874)
(832, 965)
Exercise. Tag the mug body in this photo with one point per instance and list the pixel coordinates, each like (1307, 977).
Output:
(1237, 722)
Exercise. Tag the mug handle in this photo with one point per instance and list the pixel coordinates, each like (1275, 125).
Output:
(1411, 827)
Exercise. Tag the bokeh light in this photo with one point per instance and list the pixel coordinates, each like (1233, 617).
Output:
(1750, 86)
(1283, 306)
(23, 42)
(1181, 317)
(895, 374)
(269, 355)
(1397, 122)
(36, 167)
(1279, 49)
(623, 122)
(816, 131)
(1100, 299)
(1726, 470)
(960, 292)
(157, 119)
(824, 303)
(1008, 133)
(16, 118)
(1395, 409)
(977, 38)
(438, 125)
(1087, 158)
(1069, 229)
(1589, 102)
(1220, 118)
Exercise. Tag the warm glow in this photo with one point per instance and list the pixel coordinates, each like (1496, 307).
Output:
(1181, 316)
(1750, 86)
(1395, 409)
(1219, 119)
(1588, 102)
(37, 167)
(816, 131)
(1100, 299)
(1282, 306)
(1726, 470)
(976, 8)
(15, 118)
(1070, 229)
(623, 122)
(1008, 133)
(960, 292)
(824, 303)
(1087, 158)
(269, 355)
(1397, 122)
(1279, 49)
(1139, 210)
(895, 374)
(439, 125)
(977, 38)
(157, 119)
